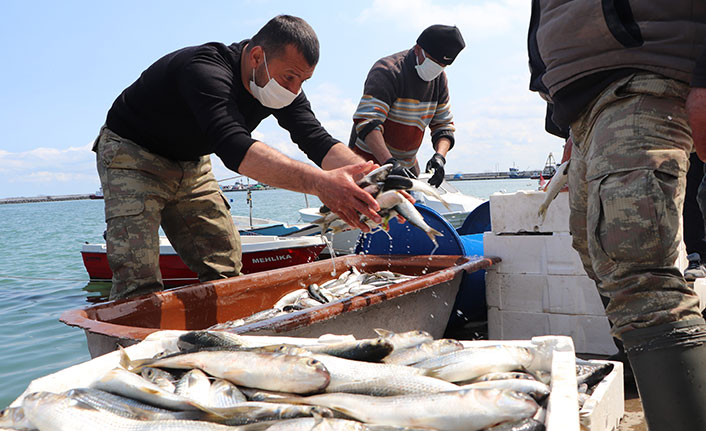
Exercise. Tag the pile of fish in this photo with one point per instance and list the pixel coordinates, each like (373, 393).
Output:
(385, 188)
(221, 381)
(349, 283)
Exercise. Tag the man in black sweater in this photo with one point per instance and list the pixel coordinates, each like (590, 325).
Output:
(153, 152)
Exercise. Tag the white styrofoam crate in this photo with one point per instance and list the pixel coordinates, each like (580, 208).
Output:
(591, 334)
(543, 254)
(606, 406)
(567, 294)
(518, 212)
(562, 415)
(700, 288)
(533, 254)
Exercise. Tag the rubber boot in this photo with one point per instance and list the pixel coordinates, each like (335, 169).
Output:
(669, 364)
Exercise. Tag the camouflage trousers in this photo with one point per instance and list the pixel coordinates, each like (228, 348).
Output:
(627, 181)
(142, 191)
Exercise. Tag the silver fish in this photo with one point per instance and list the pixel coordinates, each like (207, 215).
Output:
(290, 298)
(223, 393)
(201, 339)
(471, 363)
(195, 385)
(367, 350)
(14, 418)
(260, 315)
(427, 189)
(404, 340)
(423, 351)
(317, 424)
(58, 412)
(361, 288)
(250, 412)
(557, 182)
(537, 390)
(591, 373)
(122, 382)
(391, 203)
(504, 376)
(410, 213)
(264, 370)
(463, 410)
(128, 407)
(308, 302)
(161, 378)
(529, 424)
(319, 294)
(264, 396)
(378, 379)
(375, 176)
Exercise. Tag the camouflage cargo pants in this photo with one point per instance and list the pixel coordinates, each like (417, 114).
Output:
(142, 191)
(627, 181)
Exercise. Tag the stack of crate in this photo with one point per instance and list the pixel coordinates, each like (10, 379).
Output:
(540, 287)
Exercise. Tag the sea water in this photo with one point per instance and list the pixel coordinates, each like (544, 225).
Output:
(42, 273)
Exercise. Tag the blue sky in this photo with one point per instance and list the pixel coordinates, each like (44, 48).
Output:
(63, 64)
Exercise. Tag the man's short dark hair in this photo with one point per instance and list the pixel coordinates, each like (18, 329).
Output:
(284, 30)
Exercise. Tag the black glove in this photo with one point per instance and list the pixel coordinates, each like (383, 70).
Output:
(436, 164)
(398, 169)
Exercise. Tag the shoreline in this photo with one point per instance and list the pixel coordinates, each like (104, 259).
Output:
(34, 199)
(82, 196)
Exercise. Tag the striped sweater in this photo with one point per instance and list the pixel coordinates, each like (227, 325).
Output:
(401, 105)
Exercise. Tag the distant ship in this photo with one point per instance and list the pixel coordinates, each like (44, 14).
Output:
(97, 195)
(549, 168)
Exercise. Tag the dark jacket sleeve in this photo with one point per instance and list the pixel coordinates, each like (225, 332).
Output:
(537, 70)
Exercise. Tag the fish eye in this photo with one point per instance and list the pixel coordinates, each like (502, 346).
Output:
(313, 362)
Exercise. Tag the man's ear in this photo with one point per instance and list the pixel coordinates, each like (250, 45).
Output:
(256, 56)
(418, 53)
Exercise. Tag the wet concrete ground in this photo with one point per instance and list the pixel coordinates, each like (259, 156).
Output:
(634, 419)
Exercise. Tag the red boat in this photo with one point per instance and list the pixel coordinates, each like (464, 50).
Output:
(260, 253)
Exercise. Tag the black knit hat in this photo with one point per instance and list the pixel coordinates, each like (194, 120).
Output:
(442, 42)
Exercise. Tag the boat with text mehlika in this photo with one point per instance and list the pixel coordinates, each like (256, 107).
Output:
(260, 253)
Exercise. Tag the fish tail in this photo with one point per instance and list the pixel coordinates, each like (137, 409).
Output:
(132, 365)
(125, 360)
(433, 233)
(383, 332)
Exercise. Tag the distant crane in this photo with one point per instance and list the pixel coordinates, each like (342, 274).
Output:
(549, 167)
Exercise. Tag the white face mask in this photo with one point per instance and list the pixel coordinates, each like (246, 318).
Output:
(272, 95)
(428, 70)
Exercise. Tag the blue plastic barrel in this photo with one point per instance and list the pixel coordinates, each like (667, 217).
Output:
(407, 239)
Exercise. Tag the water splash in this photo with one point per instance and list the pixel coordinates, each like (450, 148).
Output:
(332, 252)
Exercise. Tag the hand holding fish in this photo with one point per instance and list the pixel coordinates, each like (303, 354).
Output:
(339, 192)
